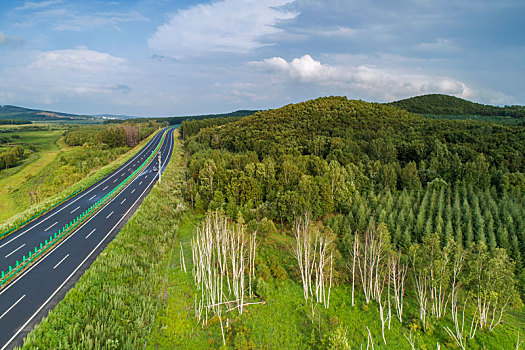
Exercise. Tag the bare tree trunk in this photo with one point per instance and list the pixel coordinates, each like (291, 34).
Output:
(311, 251)
(218, 251)
(398, 273)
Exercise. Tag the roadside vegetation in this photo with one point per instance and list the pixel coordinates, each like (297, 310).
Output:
(114, 303)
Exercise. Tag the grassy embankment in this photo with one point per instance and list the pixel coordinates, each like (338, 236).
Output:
(48, 145)
(52, 182)
(114, 303)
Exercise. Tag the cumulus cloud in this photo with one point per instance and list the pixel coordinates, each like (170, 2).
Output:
(232, 26)
(362, 80)
(77, 61)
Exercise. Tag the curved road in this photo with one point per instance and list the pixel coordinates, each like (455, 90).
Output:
(24, 301)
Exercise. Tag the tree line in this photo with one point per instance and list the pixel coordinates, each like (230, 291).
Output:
(439, 104)
(127, 134)
(11, 157)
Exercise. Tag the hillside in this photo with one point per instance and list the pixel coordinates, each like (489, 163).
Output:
(8, 112)
(438, 104)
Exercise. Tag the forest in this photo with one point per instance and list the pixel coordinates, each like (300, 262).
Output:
(438, 104)
(367, 196)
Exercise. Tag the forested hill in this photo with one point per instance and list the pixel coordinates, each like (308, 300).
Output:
(463, 179)
(8, 112)
(362, 133)
(438, 104)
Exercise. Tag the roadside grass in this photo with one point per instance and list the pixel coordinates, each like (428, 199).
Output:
(113, 305)
(12, 180)
(56, 192)
(286, 321)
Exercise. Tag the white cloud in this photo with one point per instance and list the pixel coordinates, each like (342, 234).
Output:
(31, 5)
(77, 61)
(233, 26)
(376, 82)
(304, 69)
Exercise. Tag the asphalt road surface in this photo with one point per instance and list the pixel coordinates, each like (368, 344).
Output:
(27, 299)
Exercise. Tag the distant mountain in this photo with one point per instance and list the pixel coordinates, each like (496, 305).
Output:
(8, 112)
(439, 104)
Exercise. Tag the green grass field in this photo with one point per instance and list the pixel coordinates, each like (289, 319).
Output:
(285, 320)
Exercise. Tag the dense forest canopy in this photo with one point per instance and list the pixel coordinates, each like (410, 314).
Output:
(439, 104)
(333, 156)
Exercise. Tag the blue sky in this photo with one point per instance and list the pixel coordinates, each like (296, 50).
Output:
(162, 57)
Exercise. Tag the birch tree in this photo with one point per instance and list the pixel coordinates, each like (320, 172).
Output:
(491, 280)
(314, 253)
(398, 272)
(223, 257)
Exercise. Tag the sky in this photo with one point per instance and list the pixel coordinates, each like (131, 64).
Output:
(182, 57)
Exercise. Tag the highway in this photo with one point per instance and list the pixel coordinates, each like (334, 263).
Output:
(20, 242)
(25, 300)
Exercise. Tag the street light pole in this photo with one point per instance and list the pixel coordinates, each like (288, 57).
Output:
(159, 169)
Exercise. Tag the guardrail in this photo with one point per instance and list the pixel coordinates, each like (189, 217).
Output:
(40, 213)
(53, 239)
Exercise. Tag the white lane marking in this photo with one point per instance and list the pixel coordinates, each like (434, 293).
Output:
(12, 306)
(6, 243)
(123, 201)
(105, 188)
(91, 233)
(146, 177)
(129, 169)
(123, 174)
(115, 180)
(8, 255)
(60, 262)
(140, 183)
(93, 196)
(72, 211)
(133, 190)
(78, 197)
(72, 273)
(107, 217)
(47, 229)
